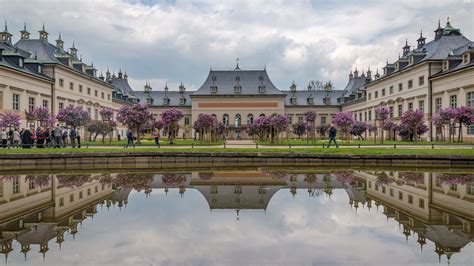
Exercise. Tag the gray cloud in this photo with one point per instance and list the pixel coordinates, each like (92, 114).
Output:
(176, 41)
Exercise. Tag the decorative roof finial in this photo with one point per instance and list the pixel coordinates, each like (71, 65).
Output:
(237, 65)
(6, 26)
(447, 19)
(59, 37)
(43, 26)
(24, 26)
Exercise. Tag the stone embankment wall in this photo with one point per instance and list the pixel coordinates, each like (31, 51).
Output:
(121, 160)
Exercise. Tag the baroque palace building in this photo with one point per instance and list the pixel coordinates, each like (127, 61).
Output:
(435, 74)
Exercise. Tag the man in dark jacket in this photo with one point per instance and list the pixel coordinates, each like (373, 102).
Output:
(72, 136)
(332, 136)
(130, 139)
(26, 139)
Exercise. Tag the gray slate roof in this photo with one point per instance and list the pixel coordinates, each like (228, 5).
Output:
(121, 84)
(354, 85)
(318, 97)
(9, 50)
(250, 80)
(158, 96)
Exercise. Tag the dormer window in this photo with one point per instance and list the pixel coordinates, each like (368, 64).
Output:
(166, 101)
(327, 100)
(149, 101)
(411, 60)
(293, 100)
(213, 89)
(262, 88)
(237, 88)
(40, 69)
(237, 78)
(20, 62)
(214, 78)
(260, 78)
(182, 101)
(397, 65)
(310, 100)
(465, 58)
(445, 65)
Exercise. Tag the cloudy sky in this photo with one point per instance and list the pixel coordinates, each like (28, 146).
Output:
(172, 41)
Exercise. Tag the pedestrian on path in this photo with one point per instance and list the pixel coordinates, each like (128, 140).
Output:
(156, 135)
(72, 137)
(332, 136)
(4, 138)
(130, 139)
(58, 134)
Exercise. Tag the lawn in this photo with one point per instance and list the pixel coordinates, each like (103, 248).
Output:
(151, 142)
(304, 142)
(357, 151)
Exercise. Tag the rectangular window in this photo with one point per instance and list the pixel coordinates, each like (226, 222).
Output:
(370, 96)
(102, 95)
(400, 110)
(45, 103)
(323, 120)
(96, 189)
(186, 120)
(470, 130)
(61, 82)
(61, 202)
(400, 87)
(16, 185)
(453, 99)
(421, 203)
(391, 111)
(108, 97)
(391, 90)
(300, 119)
(400, 195)
(438, 104)
(410, 106)
(383, 92)
(80, 194)
(96, 114)
(376, 94)
(410, 199)
(365, 116)
(71, 198)
(96, 93)
(71, 86)
(391, 192)
(410, 84)
(370, 115)
(370, 184)
(31, 103)
(88, 192)
(80, 88)
(61, 105)
(31, 185)
(360, 116)
(421, 106)
(89, 91)
(383, 189)
(421, 80)
(470, 99)
(16, 102)
(453, 187)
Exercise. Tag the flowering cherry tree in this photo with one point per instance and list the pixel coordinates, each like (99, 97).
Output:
(382, 114)
(9, 120)
(463, 116)
(444, 118)
(205, 125)
(358, 128)
(412, 125)
(310, 118)
(74, 117)
(344, 121)
(137, 118)
(278, 123)
(260, 127)
(299, 129)
(171, 119)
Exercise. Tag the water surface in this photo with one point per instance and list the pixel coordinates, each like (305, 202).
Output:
(238, 217)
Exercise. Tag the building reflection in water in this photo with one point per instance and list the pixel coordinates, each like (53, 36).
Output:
(38, 210)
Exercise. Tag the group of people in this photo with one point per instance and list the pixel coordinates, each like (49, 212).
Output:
(40, 137)
(131, 138)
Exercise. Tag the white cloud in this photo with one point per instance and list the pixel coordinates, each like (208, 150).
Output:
(297, 40)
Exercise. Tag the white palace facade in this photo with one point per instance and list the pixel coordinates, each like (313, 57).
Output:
(435, 74)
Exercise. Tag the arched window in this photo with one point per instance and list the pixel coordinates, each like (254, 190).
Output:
(238, 120)
(262, 115)
(225, 119)
(249, 119)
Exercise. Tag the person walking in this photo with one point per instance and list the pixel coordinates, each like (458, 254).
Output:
(16, 138)
(72, 137)
(64, 136)
(40, 137)
(78, 138)
(57, 132)
(26, 138)
(4, 138)
(332, 136)
(130, 139)
(156, 135)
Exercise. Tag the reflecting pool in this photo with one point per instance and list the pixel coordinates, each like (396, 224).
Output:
(238, 217)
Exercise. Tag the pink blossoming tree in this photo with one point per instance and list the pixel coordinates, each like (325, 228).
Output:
(137, 118)
(170, 118)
